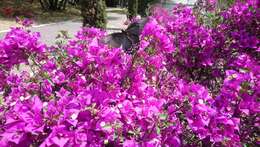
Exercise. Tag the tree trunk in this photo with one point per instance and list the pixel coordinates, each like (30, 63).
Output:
(132, 8)
(53, 5)
(93, 13)
(143, 6)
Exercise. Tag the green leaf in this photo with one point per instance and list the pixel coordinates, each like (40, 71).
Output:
(1, 100)
(107, 127)
(158, 130)
(163, 116)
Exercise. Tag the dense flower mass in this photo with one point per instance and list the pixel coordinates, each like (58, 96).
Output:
(189, 84)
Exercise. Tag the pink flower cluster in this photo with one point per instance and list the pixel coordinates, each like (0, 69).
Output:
(187, 85)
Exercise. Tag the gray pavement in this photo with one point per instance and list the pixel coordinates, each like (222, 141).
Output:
(50, 31)
(115, 23)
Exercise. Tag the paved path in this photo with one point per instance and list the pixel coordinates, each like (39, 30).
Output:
(115, 23)
(50, 31)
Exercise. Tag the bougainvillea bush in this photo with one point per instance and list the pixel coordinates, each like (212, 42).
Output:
(189, 84)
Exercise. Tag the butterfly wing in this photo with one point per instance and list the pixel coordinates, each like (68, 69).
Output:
(128, 38)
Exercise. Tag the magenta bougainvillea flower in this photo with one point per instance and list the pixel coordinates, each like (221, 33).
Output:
(188, 84)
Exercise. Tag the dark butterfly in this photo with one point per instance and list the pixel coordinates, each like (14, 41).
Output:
(127, 39)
